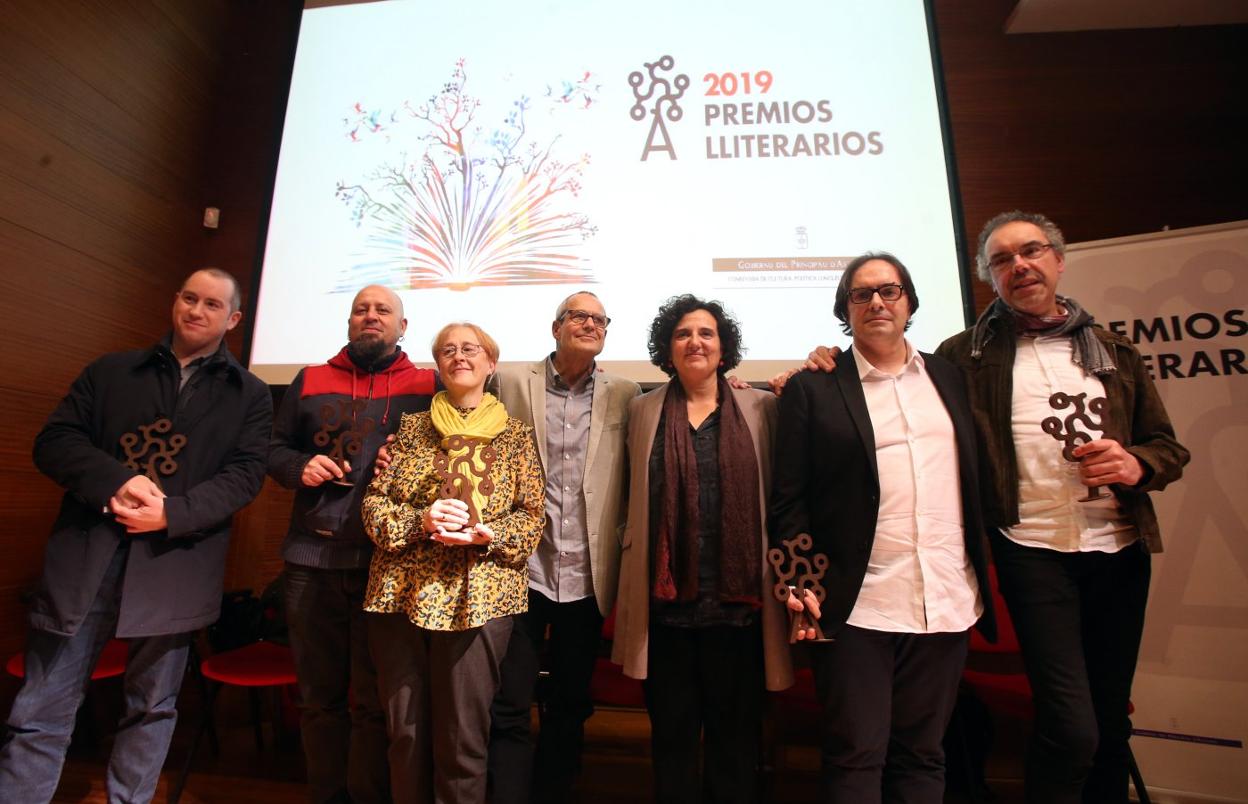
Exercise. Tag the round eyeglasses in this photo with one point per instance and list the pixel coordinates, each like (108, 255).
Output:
(469, 350)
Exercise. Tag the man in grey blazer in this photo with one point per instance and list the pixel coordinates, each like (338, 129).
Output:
(580, 420)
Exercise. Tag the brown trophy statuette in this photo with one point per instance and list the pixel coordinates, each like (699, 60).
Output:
(147, 452)
(343, 430)
(795, 573)
(1066, 430)
(456, 473)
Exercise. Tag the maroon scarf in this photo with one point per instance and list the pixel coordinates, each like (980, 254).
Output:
(741, 528)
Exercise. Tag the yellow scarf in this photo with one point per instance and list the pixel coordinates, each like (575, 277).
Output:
(467, 470)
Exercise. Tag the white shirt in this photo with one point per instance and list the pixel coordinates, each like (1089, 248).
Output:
(919, 578)
(1049, 508)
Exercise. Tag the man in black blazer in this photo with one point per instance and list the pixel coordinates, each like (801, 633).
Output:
(877, 462)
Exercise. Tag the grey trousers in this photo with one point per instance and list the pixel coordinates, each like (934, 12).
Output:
(436, 688)
(58, 669)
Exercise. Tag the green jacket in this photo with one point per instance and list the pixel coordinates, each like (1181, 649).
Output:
(1136, 419)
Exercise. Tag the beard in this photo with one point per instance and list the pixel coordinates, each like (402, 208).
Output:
(367, 351)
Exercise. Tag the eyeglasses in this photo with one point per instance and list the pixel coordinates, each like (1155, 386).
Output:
(579, 317)
(468, 350)
(1029, 251)
(889, 292)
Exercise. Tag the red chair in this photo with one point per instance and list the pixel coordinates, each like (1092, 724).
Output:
(609, 686)
(1005, 689)
(112, 661)
(793, 718)
(800, 700)
(253, 666)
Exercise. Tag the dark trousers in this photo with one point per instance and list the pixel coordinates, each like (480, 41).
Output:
(705, 688)
(342, 723)
(572, 651)
(436, 687)
(58, 670)
(1079, 618)
(887, 699)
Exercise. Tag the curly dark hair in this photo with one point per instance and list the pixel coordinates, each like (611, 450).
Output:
(676, 308)
(841, 306)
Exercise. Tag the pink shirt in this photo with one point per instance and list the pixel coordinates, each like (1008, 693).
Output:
(919, 578)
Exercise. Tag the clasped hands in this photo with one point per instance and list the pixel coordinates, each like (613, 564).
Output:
(139, 505)
(446, 522)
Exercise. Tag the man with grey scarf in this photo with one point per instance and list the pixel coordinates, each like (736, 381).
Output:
(1074, 572)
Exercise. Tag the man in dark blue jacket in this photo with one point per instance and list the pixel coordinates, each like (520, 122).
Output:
(156, 450)
(331, 421)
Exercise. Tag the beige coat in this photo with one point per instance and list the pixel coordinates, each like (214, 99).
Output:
(632, 618)
(522, 390)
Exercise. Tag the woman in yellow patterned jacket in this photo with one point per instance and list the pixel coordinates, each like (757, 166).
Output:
(455, 517)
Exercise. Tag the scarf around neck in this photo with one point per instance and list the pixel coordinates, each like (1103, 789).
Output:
(468, 455)
(1089, 353)
(676, 545)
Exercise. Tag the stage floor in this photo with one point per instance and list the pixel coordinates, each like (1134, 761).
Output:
(616, 766)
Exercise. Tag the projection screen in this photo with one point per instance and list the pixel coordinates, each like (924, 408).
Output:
(486, 159)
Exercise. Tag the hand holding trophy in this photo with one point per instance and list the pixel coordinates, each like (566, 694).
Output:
(1066, 429)
(343, 430)
(800, 578)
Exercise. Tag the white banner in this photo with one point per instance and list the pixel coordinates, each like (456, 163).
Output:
(1181, 297)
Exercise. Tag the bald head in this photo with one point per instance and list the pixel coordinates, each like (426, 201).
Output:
(376, 323)
(379, 292)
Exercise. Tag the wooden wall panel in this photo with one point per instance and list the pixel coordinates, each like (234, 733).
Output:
(59, 304)
(1108, 132)
(48, 179)
(255, 547)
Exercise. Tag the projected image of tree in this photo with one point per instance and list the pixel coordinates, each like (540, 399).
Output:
(476, 205)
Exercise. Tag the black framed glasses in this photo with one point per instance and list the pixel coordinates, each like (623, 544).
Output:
(890, 292)
(579, 317)
(1030, 251)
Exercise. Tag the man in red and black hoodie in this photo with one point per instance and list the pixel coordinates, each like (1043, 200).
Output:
(326, 433)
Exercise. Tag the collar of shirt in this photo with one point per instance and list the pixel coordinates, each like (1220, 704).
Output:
(554, 381)
(185, 373)
(869, 373)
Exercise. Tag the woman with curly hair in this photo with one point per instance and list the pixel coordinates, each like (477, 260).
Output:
(455, 516)
(695, 617)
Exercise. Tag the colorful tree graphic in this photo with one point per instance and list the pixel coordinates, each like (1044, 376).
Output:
(475, 207)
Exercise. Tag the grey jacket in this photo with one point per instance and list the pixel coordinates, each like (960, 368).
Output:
(522, 390)
(631, 647)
